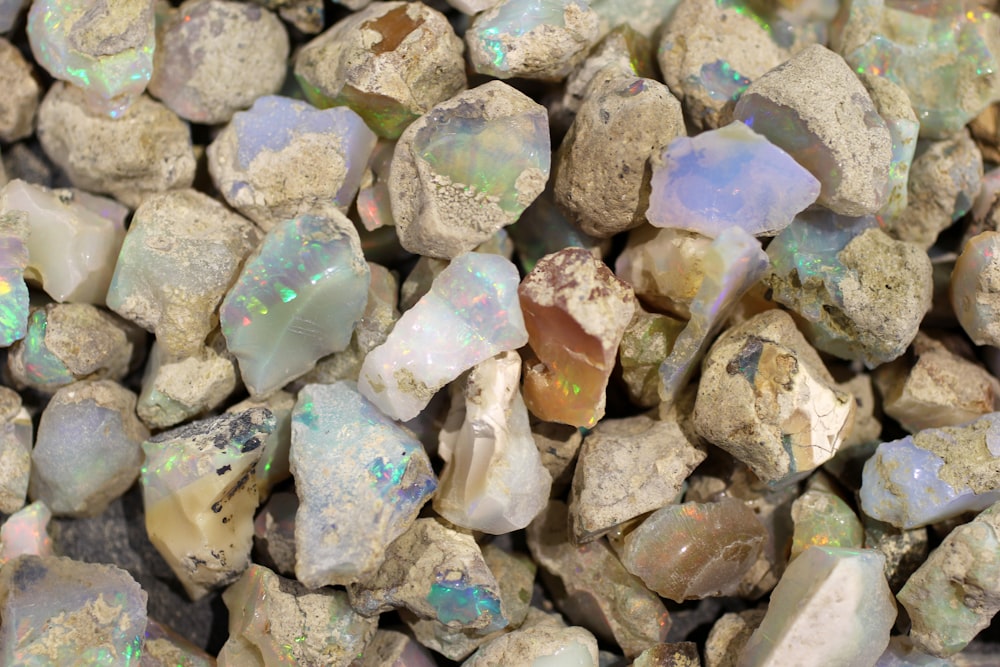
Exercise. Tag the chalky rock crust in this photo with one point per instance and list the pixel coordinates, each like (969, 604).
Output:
(766, 398)
(726, 177)
(15, 451)
(831, 607)
(273, 620)
(200, 495)
(298, 299)
(729, 635)
(470, 314)
(78, 613)
(390, 62)
(937, 474)
(541, 642)
(975, 288)
(21, 92)
(163, 647)
(493, 480)
(533, 39)
(215, 57)
(575, 311)
(174, 391)
(893, 105)
(200, 245)
(306, 15)
(467, 168)
(146, 150)
(603, 166)
(25, 532)
(361, 480)
(88, 448)
(389, 647)
(695, 550)
(814, 108)
(14, 258)
(103, 46)
(252, 157)
(73, 239)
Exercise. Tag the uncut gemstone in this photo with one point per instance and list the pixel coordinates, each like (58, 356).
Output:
(105, 48)
(973, 288)
(163, 647)
(389, 648)
(59, 611)
(893, 105)
(273, 467)
(647, 341)
(374, 205)
(298, 299)
(173, 392)
(728, 177)
(823, 519)
(665, 267)
(15, 451)
(361, 480)
(470, 314)
(543, 641)
(26, 532)
(14, 232)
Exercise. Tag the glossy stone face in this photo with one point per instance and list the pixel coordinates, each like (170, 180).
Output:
(26, 532)
(15, 452)
(13, 290)
(822, 519)
(298, 299)
(726, 177)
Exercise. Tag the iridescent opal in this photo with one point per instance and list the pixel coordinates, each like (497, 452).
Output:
(59, 611)
(73, 241)
(163, 647)
(26, 532)
(200, 496)
(298, 298)
(360, 478)
(823, 519)
(937, 474)
(105, 48)
(647, 341)
(543, 641)
(374, 205)
(13, 290)
(470, 314)
(728, 177)
(831, 607)
(665, 267)
(974, 294)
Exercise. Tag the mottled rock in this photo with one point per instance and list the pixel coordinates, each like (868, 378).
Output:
(274, 533)
(173, 392)
(729, 635)
(646, 343)
(15, 451)
(665, 267)
(389, 648)
(541, 642)
(973, 288)
(163, 647)
(20, 102)
(273, 465)
(904, 550)
(823, 519)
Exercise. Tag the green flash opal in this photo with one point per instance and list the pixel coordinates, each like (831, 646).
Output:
(13, 290)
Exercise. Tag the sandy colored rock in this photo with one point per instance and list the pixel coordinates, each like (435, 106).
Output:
(175, 391)
(729, 635)
(15, 451)
(21, 92)
(665, 267)
(647, 341)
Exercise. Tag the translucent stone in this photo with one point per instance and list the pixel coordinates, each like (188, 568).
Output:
(355, 470)
(15, 451)
(104, 48)
(893, 105)
(273, 620)
(470, 314)
(665, 267)
(374, 205)
(643, 16)
(87, 450)
(26, 532)
(273, 466)
(822, 519)
(647, 341)
(731, 264)
(252, 157)
(14, 232)
(728, 177)
(831, 607)
(694, 550)
(543, 229)
(299, 297)
(173, 392)
(10, 10)
(60, 611)
(575, 311)
(493, 480)
(200, 496)
(73, 240)
(163, 647)
(973, 296)
(541, 642)
(937, 474)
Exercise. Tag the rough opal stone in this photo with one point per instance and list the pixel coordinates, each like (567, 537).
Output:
(470, 314)
(939, 473)
(163, 647)
(15, 451)
(831, 607)
(975, 296)
(823, 519)
(13, 290)
(298, 299)
(105, 48)
(726, 177)
(25, 532)
(361, 480)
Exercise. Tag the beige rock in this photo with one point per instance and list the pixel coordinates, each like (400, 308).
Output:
(728, 637)
(975, 288)
(175, 391)
(21, 92)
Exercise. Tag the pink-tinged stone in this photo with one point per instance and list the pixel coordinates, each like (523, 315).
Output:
(25, 532)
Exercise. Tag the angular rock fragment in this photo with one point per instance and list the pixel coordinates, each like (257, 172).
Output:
(541, 641)
(558, 445)
(729, 635)
(389, 648)
(646, 342)
(274, 533)
(904, 550)
(15, 451)
(665, 267)
(163, 647)
(361, 480)
(26, 532)
(173, 392)
(975, 295)
(20, 103)
(823, 519)
(893, 105)
(273, 466)
(679, 654)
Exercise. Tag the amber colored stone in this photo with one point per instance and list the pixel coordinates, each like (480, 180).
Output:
(394, 26)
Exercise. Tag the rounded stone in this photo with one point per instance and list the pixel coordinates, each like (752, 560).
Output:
(20, 98)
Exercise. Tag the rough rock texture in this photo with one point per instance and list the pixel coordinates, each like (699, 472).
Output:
(21, 91)
(975, 288)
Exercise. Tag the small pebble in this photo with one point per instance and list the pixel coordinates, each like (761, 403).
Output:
(541, 641)
(174, 391)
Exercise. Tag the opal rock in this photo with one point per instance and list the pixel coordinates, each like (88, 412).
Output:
(832, 606)
(595, 590)
(861, 295)
(485, 150)
(649, 457)
(829, 126)
(357, 472)
(200, 245)
(642, 16)
(436, 573)
(26, 532)
(679, 654)
(306, 15)
(729, 635)
(902, 653)
(200, 495)
(274, 532)
(694, 550)
(937, 474)
(541, 642)
(87, 451)
(822, 519)
(60, 611)
(956, 592)
(173, 392)
(273, 467)
(374, 205)
(15, 451)
(20, 103)
(470, 314)
(298, 298)
(391, 62)
(73, 239)
(193, 71)
(575, 311)
(665, 267)
(647, 341)
(273, 620)
(731, 264)
(766, 398)
(973, 296)
(251, 159)
(389, 648)
(493, 480)
(163, 647)
(558, 445)
(728, 177)
(534, 39)
(14, 230)
(104, 48)
(893, 105)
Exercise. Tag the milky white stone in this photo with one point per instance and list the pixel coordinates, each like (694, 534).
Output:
(25, 532)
